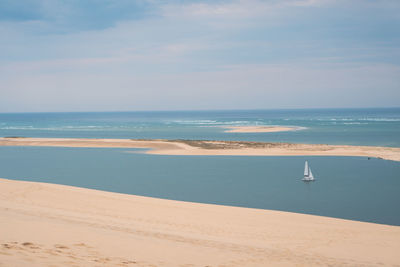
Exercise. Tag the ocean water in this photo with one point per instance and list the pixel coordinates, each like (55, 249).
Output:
(325, 126)
(346, 187)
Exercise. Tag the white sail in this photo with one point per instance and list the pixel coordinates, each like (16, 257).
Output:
(306, 169)
(310, 174)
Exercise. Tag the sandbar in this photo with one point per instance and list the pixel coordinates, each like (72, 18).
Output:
(56, 225)
(258, 129)
(214, 148)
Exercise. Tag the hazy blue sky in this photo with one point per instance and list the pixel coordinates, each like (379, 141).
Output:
(77, 55)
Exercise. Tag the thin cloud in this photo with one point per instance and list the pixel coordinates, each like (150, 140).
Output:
(208, 54)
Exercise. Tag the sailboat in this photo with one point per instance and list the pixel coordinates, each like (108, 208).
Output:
(308, 176)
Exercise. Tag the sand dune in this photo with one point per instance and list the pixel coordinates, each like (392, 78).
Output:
(193, 147)
(55, 225)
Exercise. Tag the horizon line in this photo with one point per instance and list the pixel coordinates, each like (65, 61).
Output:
(199, 110)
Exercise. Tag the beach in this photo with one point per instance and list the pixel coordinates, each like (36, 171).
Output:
(199, 133)
(202, 147)
(55, 225)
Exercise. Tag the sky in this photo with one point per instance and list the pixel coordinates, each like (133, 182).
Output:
(108, 55)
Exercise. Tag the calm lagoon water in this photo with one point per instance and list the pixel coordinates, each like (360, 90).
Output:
(347, 187)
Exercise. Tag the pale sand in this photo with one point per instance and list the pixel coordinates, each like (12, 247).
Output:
(54, 225)
(258, 129)
(238, 148)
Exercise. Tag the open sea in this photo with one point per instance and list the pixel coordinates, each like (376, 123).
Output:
(346, 187)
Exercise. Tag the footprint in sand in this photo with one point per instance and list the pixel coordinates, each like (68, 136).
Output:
(60, 246)
(30, 245)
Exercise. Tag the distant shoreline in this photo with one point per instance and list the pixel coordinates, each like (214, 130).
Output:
(203, 147)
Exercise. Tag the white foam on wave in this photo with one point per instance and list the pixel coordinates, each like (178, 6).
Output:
(380, 119)
(17, 128)
(355, 123)
(212, 122)
(366, 119)
(61, 128)
(188, 122)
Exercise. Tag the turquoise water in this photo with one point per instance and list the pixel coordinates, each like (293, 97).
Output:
(347, 187)
(326, 126)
